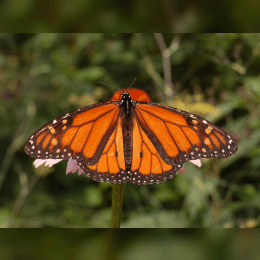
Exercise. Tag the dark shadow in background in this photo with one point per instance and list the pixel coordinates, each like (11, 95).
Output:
(129, 16)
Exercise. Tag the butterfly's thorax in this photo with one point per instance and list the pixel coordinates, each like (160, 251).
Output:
(127, 103)
(127, 125)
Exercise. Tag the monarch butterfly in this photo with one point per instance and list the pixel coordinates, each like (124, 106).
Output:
(129, 139)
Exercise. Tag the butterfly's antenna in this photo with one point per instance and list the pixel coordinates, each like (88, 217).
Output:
(132, 83)
(108, 85)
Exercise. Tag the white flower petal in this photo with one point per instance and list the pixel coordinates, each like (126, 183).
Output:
(51, 162)
(196, 162)
(48, 162)
(38, 162)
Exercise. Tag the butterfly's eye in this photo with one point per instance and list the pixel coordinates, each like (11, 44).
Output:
(124, 95)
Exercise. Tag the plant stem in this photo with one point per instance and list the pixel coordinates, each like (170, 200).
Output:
(117, 201)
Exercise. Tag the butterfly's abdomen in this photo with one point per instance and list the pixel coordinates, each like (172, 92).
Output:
(127, 127)
(127, 138)
(128, 150)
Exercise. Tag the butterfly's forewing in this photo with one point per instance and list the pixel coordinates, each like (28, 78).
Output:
(180, 136)
(81, 134)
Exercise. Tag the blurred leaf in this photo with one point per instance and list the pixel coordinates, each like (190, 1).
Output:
(226, 108)
(93, 196)
(244, 147)
(93, 73)
(4, 215)
(162, 219)
(253, 83)
(102, 219)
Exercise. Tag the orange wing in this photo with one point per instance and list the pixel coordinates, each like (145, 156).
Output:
(91, 135)
(126, 140)
(179, 136)
(111, 165)
(147, 166)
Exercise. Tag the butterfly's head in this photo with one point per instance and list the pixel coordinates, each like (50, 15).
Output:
(125, 96)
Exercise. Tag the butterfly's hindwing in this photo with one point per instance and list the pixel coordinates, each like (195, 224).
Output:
(147, 165)
(111, 165)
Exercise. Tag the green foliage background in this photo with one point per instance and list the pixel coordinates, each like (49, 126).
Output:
(128, 244)
(43, 76)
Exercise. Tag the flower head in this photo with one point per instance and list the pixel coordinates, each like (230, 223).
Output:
(72, 165)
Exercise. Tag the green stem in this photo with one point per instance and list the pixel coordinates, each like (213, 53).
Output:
(117, 201)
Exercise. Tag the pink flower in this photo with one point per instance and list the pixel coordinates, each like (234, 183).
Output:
(71, 166)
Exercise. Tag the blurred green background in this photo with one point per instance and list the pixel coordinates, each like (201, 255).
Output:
(130, 16)
(128, 244)
(216, 76)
